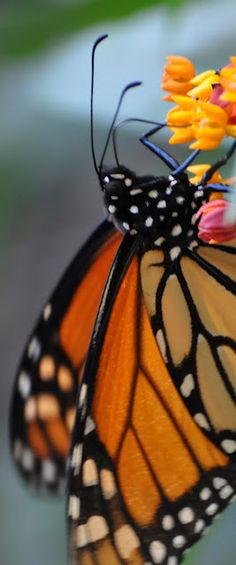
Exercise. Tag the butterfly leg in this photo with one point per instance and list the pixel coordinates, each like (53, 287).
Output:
(161, 153)
(216, 166)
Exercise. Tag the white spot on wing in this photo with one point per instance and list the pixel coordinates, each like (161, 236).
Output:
(226, 492)
(199, 526)
(201, 420)
(158, 551)
(212, 509)
(47, 312)
(229, 445)
(179, 541)
(83, 394)
(76, 458)
(186, 515)
(34, 349)
(168, 522)
(24, 384)
(27, 459)
(89, 426)
(205, 493)
(187, 385)
(48, 471)
(74, 507)
(162, 344)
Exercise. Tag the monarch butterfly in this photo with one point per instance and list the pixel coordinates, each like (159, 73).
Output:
(152, 457)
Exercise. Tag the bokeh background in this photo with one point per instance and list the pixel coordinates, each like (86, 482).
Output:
(50, 198)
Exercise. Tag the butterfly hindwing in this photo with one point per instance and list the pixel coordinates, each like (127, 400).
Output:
(132, 427)
(43, 405)
(192, 303)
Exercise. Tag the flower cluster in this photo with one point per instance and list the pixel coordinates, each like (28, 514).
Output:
(206, 103)
(214, 225)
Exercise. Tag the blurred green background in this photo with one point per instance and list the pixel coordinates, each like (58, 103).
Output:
(50, 199)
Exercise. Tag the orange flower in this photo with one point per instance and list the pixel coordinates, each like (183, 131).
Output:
(203, 85)
(201, 122)
(200, 170)
(206, 103)
(177, 75)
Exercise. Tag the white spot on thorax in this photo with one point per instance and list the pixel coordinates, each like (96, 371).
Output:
(179, 199)
(161, 204)
(112, 209)
(134, 209)
(126, 225)
(177, 230)
(153, 193)
(118, 176)
(149, 222)
(174, 252)
(128, 182)
(159, 241)
(135, 191)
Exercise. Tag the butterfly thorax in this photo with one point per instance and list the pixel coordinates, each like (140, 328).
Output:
(162, 209)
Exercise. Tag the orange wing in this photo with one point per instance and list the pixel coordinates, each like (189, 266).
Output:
(43, 406)
(145, 481)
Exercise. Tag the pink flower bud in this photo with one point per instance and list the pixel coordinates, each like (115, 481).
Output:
(213, 225)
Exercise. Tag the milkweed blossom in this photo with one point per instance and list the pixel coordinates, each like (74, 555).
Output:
(205, 110)
(214, 226)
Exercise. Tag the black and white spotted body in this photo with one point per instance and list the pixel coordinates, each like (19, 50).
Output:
(161, 209)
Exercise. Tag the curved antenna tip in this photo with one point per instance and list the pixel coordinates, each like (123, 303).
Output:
(99, 40)
(133, 84)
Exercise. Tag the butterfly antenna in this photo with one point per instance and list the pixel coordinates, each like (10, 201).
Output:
(123, 123)
(99, 40)
(128, 87)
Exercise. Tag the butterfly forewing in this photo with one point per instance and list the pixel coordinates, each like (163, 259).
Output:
(43, 405)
